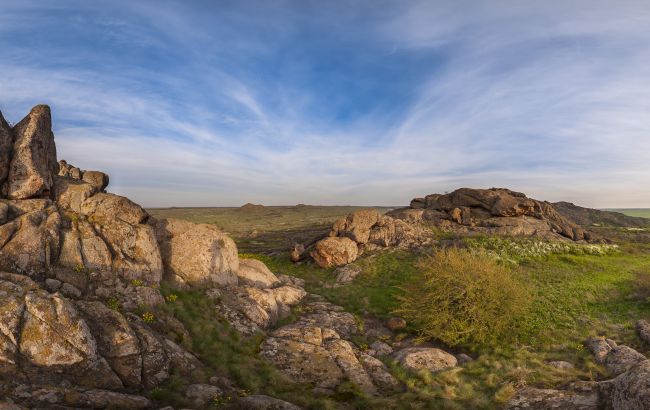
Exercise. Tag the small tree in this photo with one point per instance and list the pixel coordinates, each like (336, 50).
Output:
(463, 296)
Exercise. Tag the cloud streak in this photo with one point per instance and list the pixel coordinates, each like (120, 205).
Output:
(296, 102)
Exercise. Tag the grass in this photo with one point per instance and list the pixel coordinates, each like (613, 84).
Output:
(574, 295)
(228, 354)
(640, 212)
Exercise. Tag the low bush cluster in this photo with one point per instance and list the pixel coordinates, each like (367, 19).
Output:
(463, 296)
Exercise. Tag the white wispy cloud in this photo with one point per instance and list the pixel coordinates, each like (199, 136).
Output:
(549, 99)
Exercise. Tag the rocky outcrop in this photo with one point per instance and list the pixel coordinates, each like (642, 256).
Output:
(47, 338)
(255, 273)
(492, 211)
(82, 262)
(365, 230)
(542, 399)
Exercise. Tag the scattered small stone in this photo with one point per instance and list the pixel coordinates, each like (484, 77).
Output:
(560, 364)
(213, 294)
(52, 285)
(396, 323)
(346, 274)
(643, 329)
(463, 359)
(381, 348)
(202, 394)
(425, 358)
(70, 291)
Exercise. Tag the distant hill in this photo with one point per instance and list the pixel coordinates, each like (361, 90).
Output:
(590, 217)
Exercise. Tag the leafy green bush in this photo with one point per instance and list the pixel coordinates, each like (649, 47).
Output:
(463, 296)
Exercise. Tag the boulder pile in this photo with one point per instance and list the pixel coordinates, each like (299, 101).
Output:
(365, 230)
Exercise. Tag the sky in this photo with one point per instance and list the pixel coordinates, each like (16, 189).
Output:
(219, 103)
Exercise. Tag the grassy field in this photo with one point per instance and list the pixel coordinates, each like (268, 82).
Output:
(641, 212)
(265, 229)
(574, 295)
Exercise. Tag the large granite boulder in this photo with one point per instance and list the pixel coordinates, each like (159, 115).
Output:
(33, 163)
(335, 251)
(196, 254)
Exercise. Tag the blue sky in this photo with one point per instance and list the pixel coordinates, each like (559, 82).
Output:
(343, 102)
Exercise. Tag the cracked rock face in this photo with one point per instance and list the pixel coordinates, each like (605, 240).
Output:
(46, 337)
(314, 350)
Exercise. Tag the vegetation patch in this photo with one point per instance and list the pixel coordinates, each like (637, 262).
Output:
(463, 297)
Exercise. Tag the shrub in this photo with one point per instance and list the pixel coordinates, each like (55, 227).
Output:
(462, 296)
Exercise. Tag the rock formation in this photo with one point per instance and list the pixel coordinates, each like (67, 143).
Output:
(493, 211)
(464, 211)
(78, 263)
(365, 230)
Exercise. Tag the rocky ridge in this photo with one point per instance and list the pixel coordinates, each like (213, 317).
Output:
(465, 211)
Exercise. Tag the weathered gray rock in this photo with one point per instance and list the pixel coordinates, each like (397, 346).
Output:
(29, 243)
(425, 358)
(381, 349)
(643, 329)
(346, 274)
(560, 364)
(493, 211)
(251, 309)
(202, 395)
(261, 402)
(600, 347)
(312, 350)
(631, 390)
(621, 358)
(532, 398)
(33, 164)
